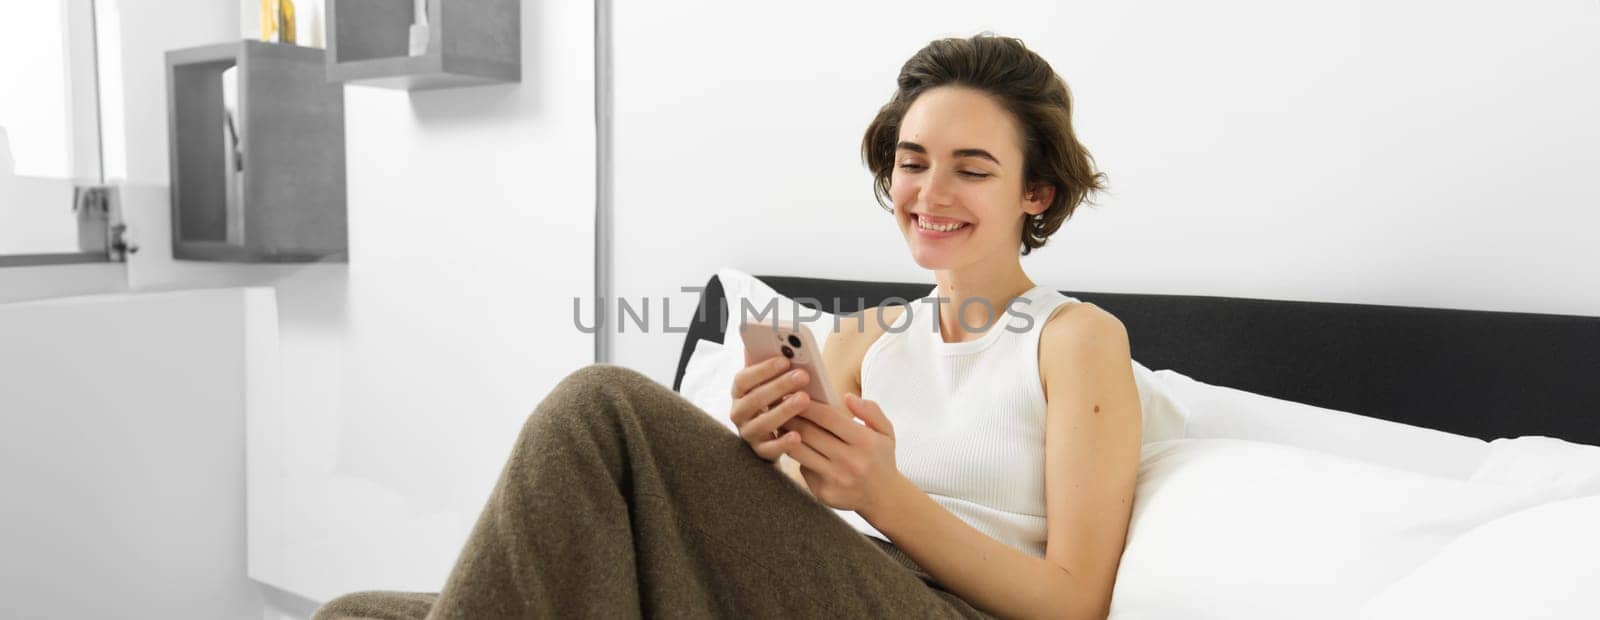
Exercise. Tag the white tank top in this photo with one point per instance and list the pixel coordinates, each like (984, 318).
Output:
(968, 416)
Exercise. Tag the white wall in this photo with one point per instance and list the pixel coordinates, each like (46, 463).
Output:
(1422, 153)
(24, 283)
(471, 223)
(406, 372)
(146, 35)
(124, 415)
(36, 215)
(122, 435)
(36, 131)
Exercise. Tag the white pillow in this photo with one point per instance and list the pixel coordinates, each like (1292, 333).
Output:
(1216, 411)
(1560, 468)
(1235, 528)
(1165, 417)
(748, 297)
(708, 380)
(1541, 563)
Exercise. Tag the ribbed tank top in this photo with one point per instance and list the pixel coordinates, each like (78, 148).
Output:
(968, 416)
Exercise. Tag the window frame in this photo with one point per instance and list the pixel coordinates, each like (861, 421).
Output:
(88, 143)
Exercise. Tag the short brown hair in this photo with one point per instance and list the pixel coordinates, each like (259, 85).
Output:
(1026, 86)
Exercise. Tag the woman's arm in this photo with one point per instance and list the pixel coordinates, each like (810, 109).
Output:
(1093, 428)
(985, 572)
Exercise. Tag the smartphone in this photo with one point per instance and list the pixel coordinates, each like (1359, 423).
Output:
(791, 340)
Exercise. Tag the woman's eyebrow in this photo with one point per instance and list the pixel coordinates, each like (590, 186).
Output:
(959, 153)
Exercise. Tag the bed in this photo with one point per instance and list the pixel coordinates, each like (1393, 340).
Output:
(1401, 461)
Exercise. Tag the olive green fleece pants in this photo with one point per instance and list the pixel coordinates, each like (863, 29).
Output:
(621, 499)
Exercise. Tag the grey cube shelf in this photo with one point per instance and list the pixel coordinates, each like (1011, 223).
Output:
(470, 43)
(290, 193)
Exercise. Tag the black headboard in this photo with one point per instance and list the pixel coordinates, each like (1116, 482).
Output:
(1476, 373)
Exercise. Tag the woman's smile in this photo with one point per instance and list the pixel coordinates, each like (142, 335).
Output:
(931, 227)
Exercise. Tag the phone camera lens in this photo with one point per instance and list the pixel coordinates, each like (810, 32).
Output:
(788, 352)
(794, 340)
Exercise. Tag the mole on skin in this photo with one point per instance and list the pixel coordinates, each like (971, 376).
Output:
(1097, 408)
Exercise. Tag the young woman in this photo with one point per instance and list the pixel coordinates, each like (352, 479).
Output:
(993, 470)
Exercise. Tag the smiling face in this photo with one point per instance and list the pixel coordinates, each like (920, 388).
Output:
(957, 185)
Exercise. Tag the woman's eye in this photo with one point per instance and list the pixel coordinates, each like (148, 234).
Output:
(967, 173)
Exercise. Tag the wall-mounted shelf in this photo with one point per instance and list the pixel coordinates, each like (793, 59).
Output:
(284, 201)
(470, 43)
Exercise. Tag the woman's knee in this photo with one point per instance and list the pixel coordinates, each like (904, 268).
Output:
(602, 374)
(602, 381)
(594, 388)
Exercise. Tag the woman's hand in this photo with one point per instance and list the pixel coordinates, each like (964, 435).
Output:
(764, 397)
(847, 465)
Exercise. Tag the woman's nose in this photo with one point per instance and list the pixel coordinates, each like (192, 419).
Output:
(936, 188)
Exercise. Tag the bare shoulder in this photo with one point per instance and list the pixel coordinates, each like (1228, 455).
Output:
(847, 345)
(1081, 333)
(1080, 319)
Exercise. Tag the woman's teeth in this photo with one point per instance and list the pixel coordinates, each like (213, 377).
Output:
(925, 225)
